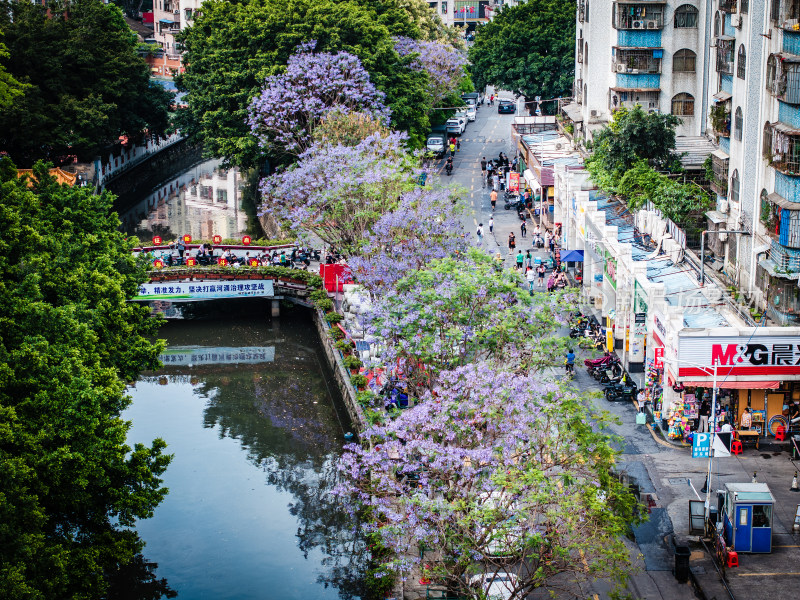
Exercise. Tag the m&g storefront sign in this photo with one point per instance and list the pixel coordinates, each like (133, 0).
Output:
(739, 355)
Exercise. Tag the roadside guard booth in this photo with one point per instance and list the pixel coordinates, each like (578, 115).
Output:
(747, 517)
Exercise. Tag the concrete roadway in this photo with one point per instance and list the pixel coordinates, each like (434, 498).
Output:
(651, 553)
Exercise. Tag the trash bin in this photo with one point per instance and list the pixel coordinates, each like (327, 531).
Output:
(682, 554)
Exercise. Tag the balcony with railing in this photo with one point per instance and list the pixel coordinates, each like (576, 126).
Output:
(783, 77)
(579, 53)
(636, 60)
(578, 91)
(729, 6)
(725, 44)
(647, 98)
(720, 163)
(782, 147)
(638, 15)
(788, 14)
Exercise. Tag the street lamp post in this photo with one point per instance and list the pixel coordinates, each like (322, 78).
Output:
(713, 429)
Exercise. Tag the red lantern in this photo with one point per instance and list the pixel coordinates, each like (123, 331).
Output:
(217, 239)
(222, 261)
(253, 262)
(187, 239)
(158, 263)
(190, 262)
(246, 240)
(156, 240)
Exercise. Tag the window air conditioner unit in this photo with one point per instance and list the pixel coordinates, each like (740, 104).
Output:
(621, 68)
(638, 25)
(593, 113)
(652, 24)
(177, 11)
(736, 21)
(723, 237)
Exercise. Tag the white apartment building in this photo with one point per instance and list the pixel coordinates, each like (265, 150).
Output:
(730, 69)
(170, 17)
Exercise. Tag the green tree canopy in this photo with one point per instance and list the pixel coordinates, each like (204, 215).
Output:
(87, 83)
(635, 135)
(70, 487)
(233, 46)
(527, 48)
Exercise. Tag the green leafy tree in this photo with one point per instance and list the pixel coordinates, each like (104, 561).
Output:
(232, 47)
(635, 135)
(529, 48)
(86, 82)
(10, 88)
(71, 487)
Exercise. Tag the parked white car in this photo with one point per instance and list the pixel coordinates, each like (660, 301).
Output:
(472, 112)
(456, 125)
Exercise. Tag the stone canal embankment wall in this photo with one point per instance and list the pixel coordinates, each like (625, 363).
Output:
(340, 373)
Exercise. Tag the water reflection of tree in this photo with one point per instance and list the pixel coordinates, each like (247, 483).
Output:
(286, 420)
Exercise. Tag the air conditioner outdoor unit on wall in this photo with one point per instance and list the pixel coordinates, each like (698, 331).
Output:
(736, 21)
(177, 11)
(593, 113)
(723, 206)
(621, 68)
(639, 25)
(652, 24)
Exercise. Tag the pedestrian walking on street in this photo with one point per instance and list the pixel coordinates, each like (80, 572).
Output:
(552, 244)
(496, 182)
(551, 282)
(491, 224)
(493, 199)
(523, 228)
(491, 100)
(452, 148)
(529, 260)
(705, 413)
(520, 260)
(530, 275)
(483, 172)
(458, 145)
(480, 234)
(540, 271)
(512, 243)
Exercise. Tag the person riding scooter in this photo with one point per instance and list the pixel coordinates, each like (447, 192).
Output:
(448, 166)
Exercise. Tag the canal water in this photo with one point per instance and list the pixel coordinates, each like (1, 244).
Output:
(251, 413)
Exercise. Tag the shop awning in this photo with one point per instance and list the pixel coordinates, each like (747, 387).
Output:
(572, 256)
(166, 21)
(531, 179)
(722, 96)
(735, 385)
(783, 202)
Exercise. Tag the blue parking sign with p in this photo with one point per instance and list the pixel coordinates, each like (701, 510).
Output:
(701, 445)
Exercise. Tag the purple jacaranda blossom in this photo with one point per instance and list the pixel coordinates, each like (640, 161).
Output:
(338, 192)
(293, 103)
(459, 309)
(492, 467)
(443, 64)
(424, 226)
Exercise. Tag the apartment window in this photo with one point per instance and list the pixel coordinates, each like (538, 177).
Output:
(683, 105)
(744, 6)
(772, 74)
(767, 147)
(741, 62)
(738, 124)
(683, 61)
(716, 25)
(735, 186)
(444, 8)
(586, 53)
(775, 10)
(686, 17)
(586, 16)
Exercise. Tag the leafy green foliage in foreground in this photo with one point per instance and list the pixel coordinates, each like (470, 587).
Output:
(629, 158)
(85, 82)
(68, 341)
(529, 48)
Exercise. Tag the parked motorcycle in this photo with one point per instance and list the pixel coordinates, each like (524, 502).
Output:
(516, 204)
(625, 391)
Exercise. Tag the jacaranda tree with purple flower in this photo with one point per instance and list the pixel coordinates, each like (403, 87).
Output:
(442, 62)
(292, 104)
(339, 192)
(458, 310)
(425, 226)
(494, 471)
